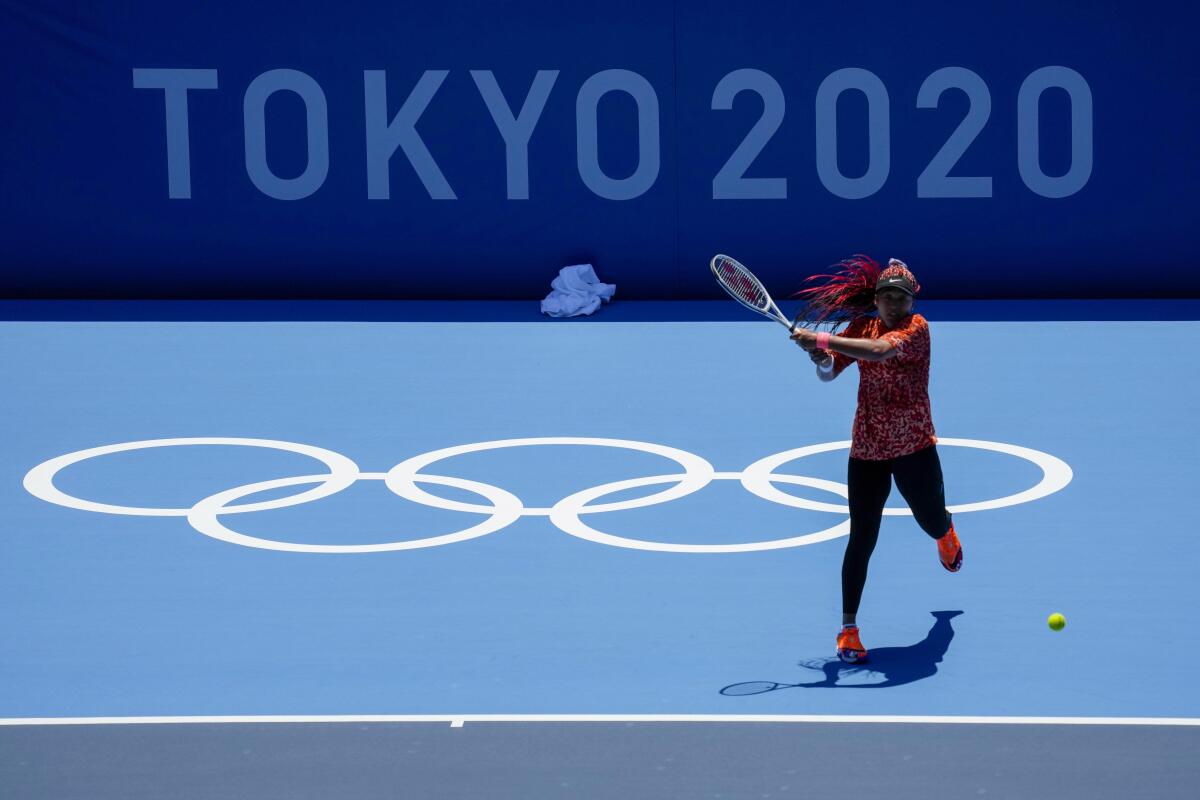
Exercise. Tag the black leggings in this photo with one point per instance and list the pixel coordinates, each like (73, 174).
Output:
(919, 479)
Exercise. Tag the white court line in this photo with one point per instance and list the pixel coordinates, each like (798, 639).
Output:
(457, 720)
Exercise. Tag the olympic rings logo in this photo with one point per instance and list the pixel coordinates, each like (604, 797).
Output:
(502, 508)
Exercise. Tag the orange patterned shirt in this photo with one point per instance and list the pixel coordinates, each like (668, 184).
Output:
(893, 417)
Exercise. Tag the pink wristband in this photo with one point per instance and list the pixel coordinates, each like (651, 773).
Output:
(823, 340)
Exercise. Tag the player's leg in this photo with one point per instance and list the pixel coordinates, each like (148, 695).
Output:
(869, 483)
(919, 479)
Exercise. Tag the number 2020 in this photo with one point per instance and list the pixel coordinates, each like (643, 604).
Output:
(935, 181)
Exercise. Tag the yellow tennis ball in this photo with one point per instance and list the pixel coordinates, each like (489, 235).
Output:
(1056, 622)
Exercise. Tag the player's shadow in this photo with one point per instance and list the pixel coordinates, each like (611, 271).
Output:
(888, 666)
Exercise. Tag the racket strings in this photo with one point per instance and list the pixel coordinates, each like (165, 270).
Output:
(742, 285)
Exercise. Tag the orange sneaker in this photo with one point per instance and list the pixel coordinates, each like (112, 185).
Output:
(950, 550)
(849, 648)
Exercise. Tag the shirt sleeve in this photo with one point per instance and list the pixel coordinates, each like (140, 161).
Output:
(911, 341)
(853, 331)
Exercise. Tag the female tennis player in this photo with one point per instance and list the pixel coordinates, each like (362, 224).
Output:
(893, 429)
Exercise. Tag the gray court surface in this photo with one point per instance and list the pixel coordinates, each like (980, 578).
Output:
(597, 760)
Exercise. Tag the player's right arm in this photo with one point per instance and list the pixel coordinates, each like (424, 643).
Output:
(831, 363)
(824, 361)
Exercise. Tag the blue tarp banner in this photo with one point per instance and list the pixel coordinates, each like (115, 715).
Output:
(471, 149)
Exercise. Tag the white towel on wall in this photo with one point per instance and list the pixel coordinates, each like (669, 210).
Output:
(576, 291)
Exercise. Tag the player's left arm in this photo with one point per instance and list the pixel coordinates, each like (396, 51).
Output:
(864, 349)
(909, 341)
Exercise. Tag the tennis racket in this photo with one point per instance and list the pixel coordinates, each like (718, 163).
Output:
(747, 289)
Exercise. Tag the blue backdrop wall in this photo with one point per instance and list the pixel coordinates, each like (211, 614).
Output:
(470, 149)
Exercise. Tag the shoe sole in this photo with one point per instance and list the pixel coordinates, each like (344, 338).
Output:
(850, 658)
(956, 566)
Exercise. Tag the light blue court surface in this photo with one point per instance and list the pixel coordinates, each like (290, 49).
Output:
(118, 615)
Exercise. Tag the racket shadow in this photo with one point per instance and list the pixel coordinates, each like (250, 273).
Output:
(888, 666)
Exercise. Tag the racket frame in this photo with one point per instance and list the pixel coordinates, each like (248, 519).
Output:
(771, 311)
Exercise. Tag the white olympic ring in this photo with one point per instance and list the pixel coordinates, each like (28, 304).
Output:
(566, 516)
(698, 472)
(1055, 475)
(40, 480)
(759, 479)
(204, 516)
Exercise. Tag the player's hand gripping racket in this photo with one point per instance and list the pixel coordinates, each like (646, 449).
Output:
(747, 289)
